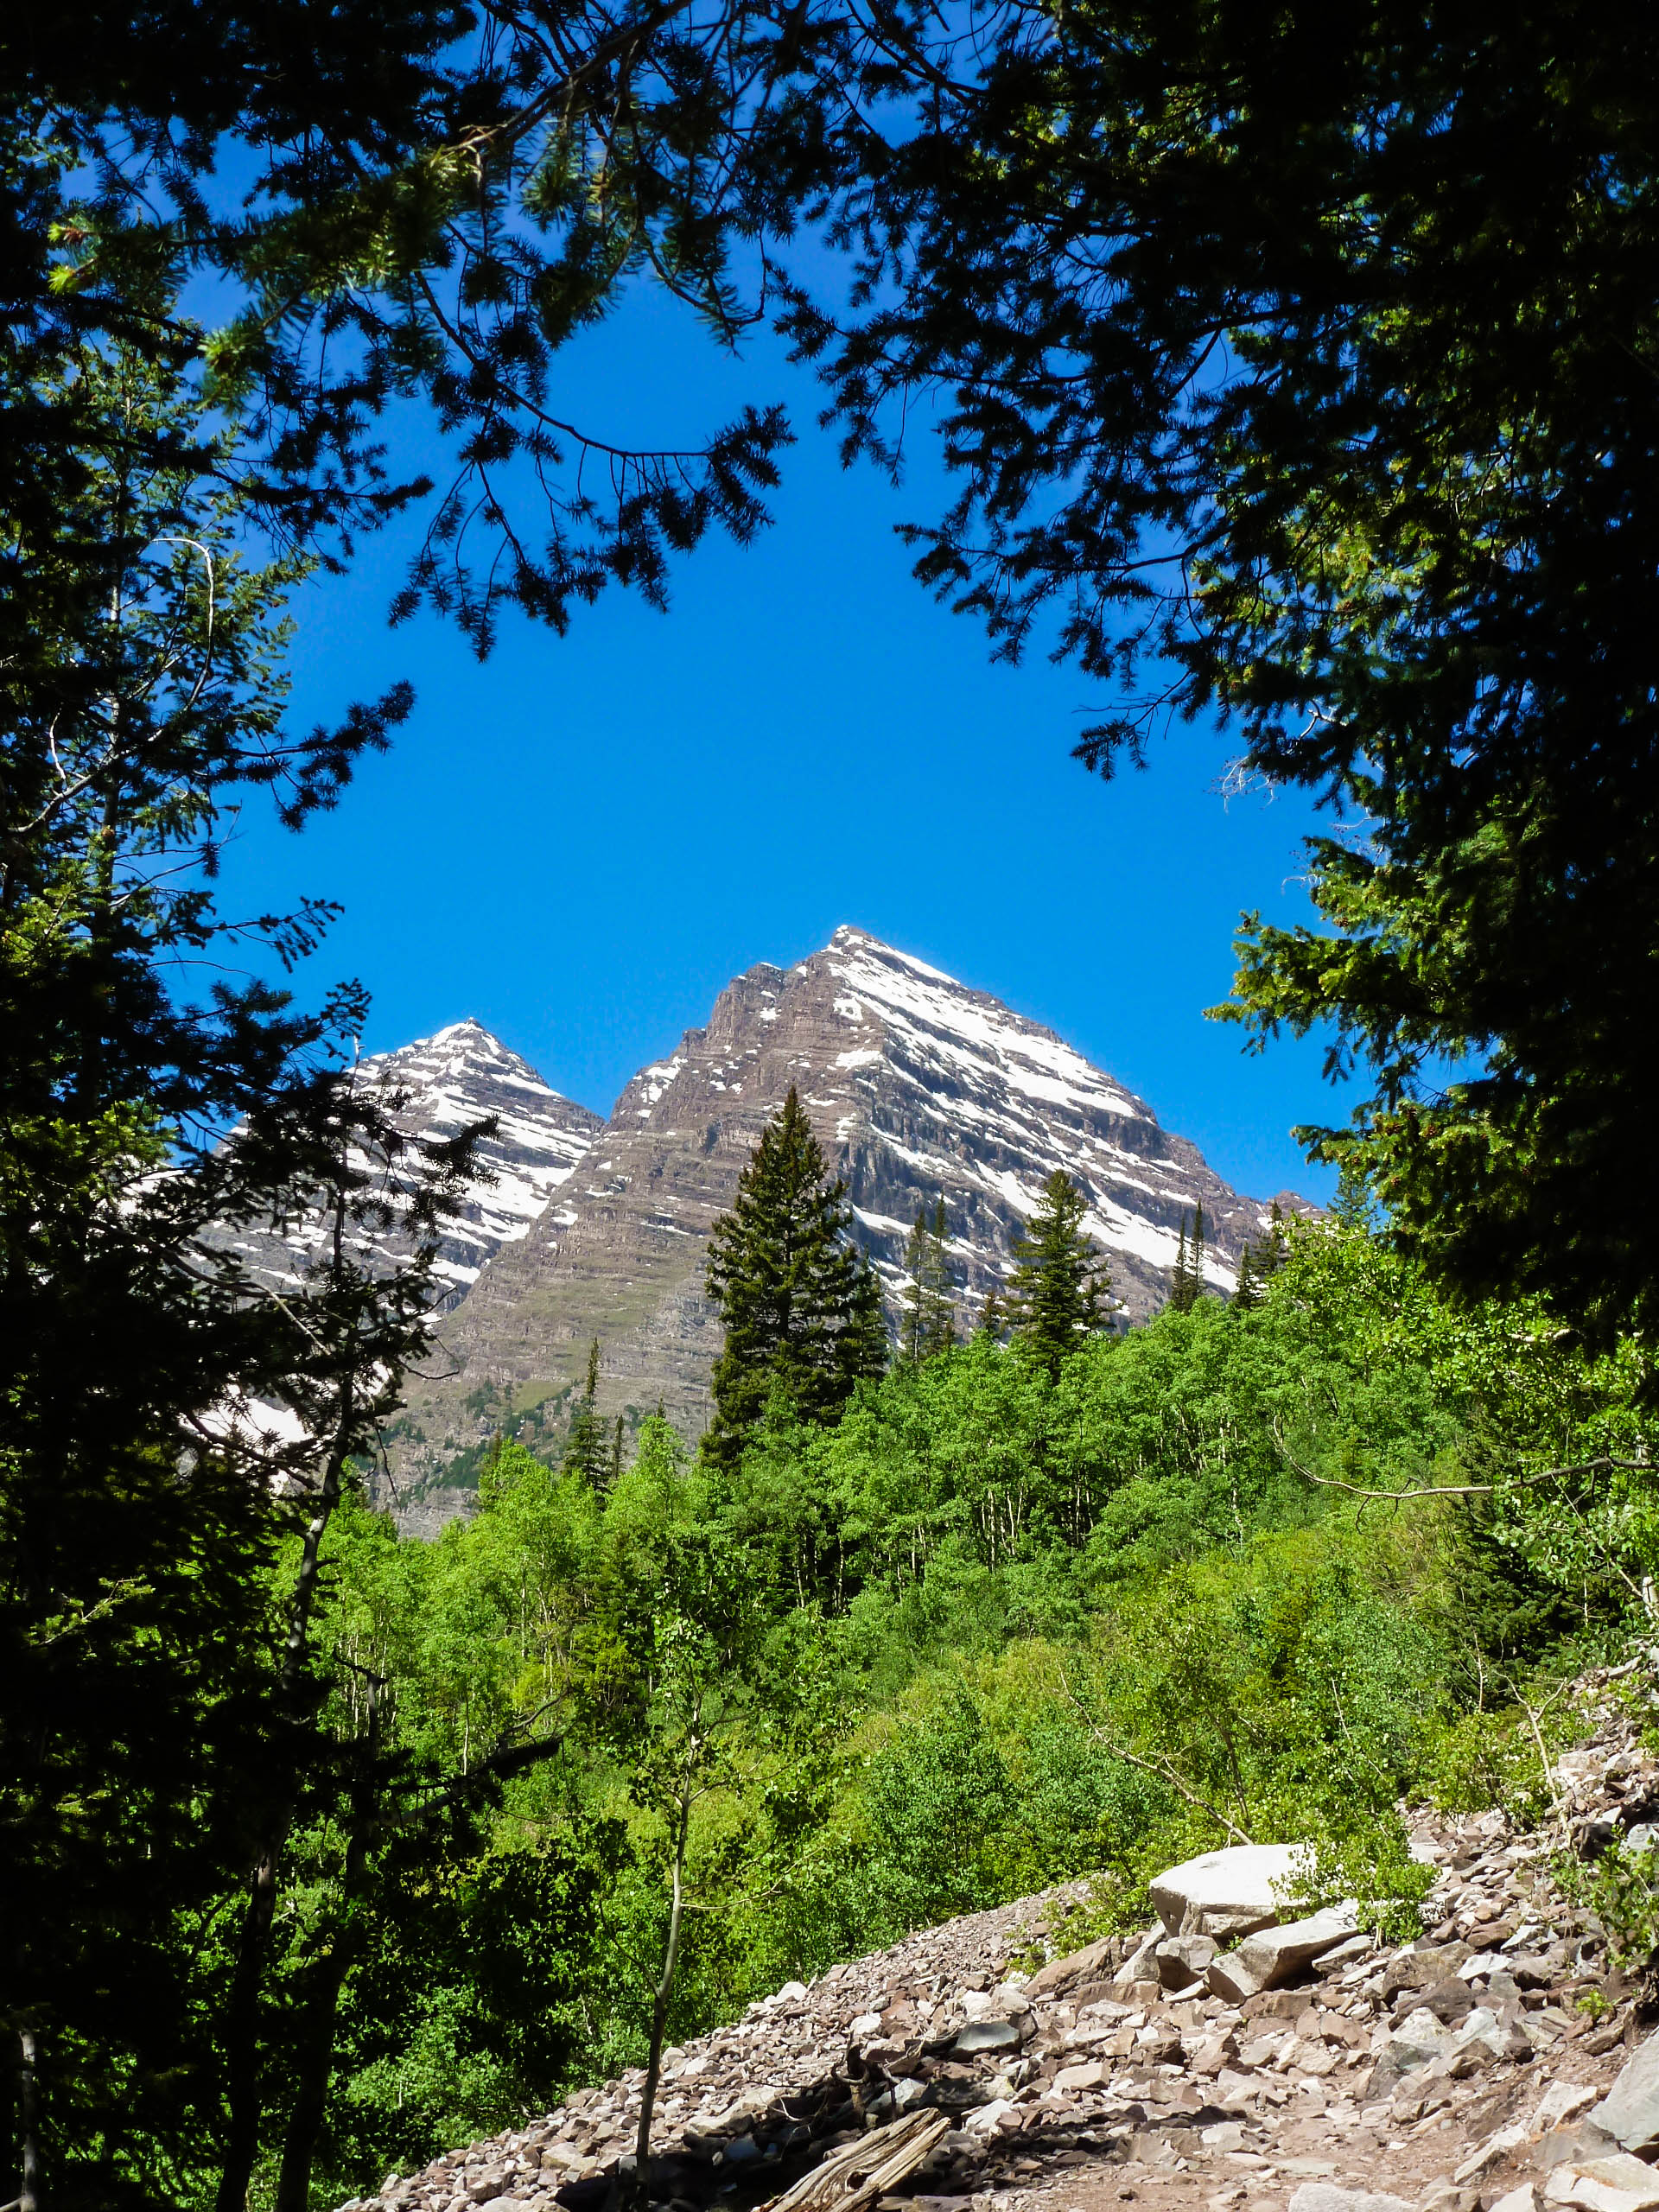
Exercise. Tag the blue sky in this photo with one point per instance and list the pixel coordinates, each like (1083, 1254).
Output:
(580, 840)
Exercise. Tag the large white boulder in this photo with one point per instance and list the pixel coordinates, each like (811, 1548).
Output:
(1225, 1893)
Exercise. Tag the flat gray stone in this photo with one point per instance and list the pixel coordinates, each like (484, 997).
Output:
(1630, 2111)
(1273, 1954)
(1224, 1893)
(987, 2035)
(1325, 2196)
(1081, 1966)
(1182, 1960)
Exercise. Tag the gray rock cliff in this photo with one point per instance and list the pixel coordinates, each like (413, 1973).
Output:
(918, 1087)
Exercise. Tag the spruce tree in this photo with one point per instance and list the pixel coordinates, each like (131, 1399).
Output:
(993, 1319)
(941, 1322)
(801, 1311)
(1270, 1252)
(911, 1327)
(862, 1349)
(587, 1451)
(1058, 1292)
(1259, 1260)
(927, 1327)
(1180, 1278)
(1186, 1279)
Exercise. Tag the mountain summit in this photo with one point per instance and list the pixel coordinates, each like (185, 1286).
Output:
(918, 1087)
(447, 1082)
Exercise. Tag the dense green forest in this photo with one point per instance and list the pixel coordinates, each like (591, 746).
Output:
(992, 1626)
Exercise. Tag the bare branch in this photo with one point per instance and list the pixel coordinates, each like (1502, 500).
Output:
(1163, 1768)
(1605, 1465)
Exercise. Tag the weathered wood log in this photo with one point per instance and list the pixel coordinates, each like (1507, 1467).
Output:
(858, 2173)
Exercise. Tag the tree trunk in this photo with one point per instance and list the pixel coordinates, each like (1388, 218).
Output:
(242, 2026)
(28, 2196)
(659, 2009)
(242, 2036)
(315, 2042)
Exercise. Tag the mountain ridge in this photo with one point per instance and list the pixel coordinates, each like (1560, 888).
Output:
(461, 1075)
(918, 1086)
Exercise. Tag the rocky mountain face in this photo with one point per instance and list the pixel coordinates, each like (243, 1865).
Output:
(918, 1088)
(447, 1082)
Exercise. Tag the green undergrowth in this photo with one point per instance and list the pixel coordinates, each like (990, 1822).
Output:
(999, 1631)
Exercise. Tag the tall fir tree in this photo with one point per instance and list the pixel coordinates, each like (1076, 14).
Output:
(928, 1326)
(587, 1449)
(801, 1310)
(1058, 1291)
(862, 1348)
(158, 1702)
(1270, 1252)
(1259, 1260)
(1187, 1278)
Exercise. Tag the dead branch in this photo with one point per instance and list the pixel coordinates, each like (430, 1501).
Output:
(1163, 1768)
(1600, 1466)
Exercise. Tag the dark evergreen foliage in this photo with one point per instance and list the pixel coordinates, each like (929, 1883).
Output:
(1187, 1278)
(927, 1326)
(1286, 439)
(1058, 1294)
(801, 1310)
(589, 1449)
(1259, 1260)
(157, 1704)
(1342, 426)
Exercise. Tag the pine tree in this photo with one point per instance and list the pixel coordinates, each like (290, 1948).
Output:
(587, 1451)
(802, 1311)
(1059, 1289)
(1271, 1251)
(1186, 1279)
(941, 1320)
(910, 1328)
(1259, 1260)
(928, 1327)
(993, 1319)
(616, 1452)
(1180, 1278)
(863, 1345)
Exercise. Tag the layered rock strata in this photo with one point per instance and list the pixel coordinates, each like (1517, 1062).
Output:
(918, 1088)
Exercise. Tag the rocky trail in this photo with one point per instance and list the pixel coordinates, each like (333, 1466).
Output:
(1303, 2069)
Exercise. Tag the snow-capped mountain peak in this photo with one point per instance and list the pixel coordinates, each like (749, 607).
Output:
(447, 1082)
(919, 1088)
(458, 1076)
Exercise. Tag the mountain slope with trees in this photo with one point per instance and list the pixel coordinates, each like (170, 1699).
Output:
(918, 1089)
(995, 1626)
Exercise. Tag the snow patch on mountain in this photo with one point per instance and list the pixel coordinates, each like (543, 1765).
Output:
(447, 1083)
